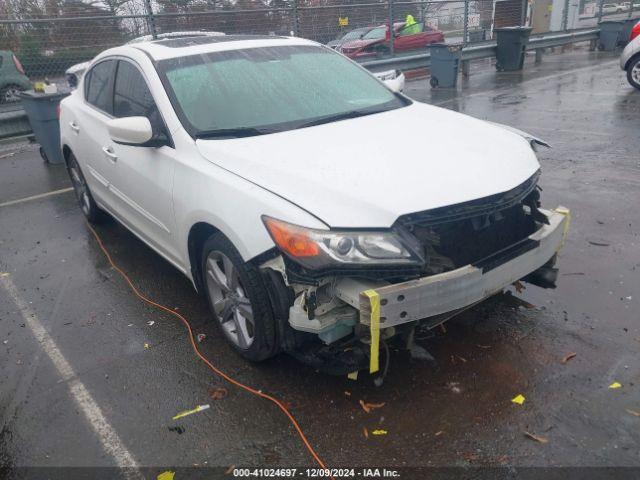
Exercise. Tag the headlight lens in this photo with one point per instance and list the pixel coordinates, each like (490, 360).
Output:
(317, 249)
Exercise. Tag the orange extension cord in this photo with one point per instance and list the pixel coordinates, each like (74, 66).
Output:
(229, 379)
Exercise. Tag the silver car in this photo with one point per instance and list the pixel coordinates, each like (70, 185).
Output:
(630, 58)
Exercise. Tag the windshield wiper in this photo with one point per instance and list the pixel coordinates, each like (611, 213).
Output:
(340, 116)
(233, 132)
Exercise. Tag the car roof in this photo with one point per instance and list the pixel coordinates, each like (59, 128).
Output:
(162, 49)
(179, 34)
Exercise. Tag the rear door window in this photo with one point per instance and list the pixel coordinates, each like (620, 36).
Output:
(99, 87)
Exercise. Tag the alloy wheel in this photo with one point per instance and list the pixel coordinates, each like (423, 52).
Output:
(230, 302)
(635, 73)
(11, 95)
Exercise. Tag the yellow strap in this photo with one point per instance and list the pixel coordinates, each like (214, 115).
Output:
(374, 299)
(567, 222)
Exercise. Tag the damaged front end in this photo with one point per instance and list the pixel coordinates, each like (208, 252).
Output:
(428, 267)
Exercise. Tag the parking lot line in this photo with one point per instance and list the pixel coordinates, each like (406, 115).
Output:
(108, 437)
(36, 197)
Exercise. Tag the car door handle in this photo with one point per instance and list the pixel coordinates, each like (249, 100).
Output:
(74, 127)
(111, 155)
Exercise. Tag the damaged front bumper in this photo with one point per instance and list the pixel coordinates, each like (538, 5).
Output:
(346, 302)
(454, 290)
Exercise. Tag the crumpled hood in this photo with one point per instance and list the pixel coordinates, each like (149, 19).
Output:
(366, 172)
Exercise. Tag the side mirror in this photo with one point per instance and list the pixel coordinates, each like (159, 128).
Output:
(133, 131)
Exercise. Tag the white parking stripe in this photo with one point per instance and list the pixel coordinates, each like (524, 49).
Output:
(36, 197)
(108, 437)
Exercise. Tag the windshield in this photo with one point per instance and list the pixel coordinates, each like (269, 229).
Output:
(264, 90)
(376, 34)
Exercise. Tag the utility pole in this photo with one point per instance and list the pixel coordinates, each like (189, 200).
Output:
(151, 21)
(465, 33)
(296, 25)
(565, 15)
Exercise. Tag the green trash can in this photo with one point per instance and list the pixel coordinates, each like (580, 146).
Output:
(610, 31)
(445, 62)
(42, 110)
(511, 46)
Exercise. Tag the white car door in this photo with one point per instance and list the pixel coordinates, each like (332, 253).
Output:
(88, 123)
(141, 179)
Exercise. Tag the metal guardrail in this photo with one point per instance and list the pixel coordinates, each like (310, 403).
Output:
(485, 50)
(13, 123)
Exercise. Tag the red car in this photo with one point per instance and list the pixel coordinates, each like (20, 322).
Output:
(375, 43)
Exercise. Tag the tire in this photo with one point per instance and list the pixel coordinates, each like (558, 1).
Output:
(9, 93)
(238, 300)
(89, 208)
(633, 72)
(433, 81)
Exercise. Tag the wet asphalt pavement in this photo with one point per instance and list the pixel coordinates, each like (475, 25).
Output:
(456, 412)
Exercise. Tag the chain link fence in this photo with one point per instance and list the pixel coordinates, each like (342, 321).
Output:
(46, 37)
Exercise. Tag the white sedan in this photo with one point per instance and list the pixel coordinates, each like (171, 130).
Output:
(317, 209)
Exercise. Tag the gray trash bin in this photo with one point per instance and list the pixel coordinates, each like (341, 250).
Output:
(511, 46)
(610, 31)
(445, 62)
(42, 110)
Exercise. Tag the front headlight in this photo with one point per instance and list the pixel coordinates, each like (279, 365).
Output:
(319, 249)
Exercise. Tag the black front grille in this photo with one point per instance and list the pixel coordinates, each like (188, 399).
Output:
(460, 211)
(471, 232)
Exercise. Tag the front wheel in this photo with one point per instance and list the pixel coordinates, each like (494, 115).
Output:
(238, 300)
(633, 72)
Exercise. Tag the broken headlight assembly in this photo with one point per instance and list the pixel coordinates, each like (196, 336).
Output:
(321, 249)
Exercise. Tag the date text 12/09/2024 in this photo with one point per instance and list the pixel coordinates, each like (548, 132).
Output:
(315, 473)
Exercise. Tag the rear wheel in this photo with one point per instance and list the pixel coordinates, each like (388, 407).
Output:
(633, 72)
(83, 194)
(238, 300)
(433, 81)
